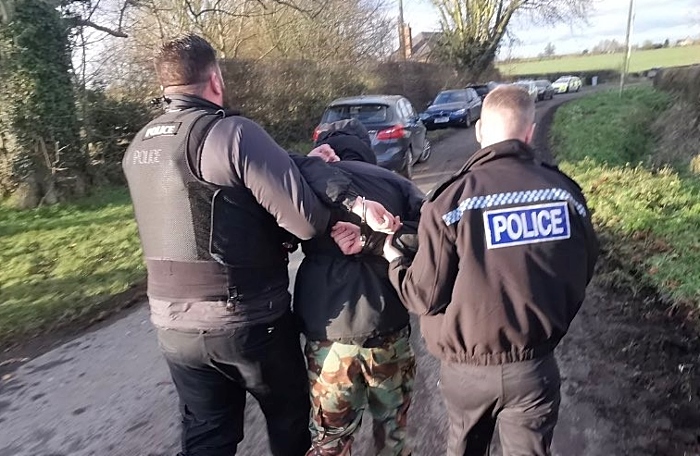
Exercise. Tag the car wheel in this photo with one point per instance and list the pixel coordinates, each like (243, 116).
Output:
(407, 170)
(468, 120)
(427, 151)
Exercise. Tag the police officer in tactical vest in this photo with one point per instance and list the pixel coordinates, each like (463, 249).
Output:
(505, 251)
(215, 200)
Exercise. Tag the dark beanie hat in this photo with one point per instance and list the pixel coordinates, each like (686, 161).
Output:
(349, 139)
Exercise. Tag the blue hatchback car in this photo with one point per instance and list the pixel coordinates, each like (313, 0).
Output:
(453, 108)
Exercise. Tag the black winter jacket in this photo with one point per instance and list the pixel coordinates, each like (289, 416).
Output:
(349, 299)
(506, 249)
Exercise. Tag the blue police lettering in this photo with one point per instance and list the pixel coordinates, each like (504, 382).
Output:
(527, 224)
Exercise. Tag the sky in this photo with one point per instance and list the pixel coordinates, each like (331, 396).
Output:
(654, 20)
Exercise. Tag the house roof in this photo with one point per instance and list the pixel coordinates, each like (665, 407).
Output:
(423, 45)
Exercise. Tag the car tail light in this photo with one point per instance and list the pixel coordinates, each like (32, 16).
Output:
(395, 132)
(317, 131)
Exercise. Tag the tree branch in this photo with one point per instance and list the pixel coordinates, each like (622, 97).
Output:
(87, 23)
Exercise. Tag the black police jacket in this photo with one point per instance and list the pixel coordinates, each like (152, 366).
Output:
(505, 251)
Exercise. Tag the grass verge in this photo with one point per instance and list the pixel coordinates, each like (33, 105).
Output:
(58, 263)
(649, 217)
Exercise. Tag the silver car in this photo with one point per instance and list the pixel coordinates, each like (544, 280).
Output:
(530, 87)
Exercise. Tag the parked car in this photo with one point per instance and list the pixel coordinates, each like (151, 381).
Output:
(566, 84)
(529, 87)
(545, 91)
(398, 136)
(493, 84)
(453, 108)
(481, 89)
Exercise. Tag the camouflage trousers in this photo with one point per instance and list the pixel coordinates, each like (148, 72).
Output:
(344, 379)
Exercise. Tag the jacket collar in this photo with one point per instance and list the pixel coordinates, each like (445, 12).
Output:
(513, 148)
(179, 102)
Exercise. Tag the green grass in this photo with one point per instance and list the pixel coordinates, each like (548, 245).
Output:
(58, 263)
(650, 216)
(639, 61)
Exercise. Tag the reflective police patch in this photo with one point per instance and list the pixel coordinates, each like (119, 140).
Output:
(161, 129)
(527, 224)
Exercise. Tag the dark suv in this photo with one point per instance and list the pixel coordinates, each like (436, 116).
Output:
(397, 134)
(453, 108)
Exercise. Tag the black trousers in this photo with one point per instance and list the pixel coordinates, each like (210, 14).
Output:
(212, 372)
(521, 398)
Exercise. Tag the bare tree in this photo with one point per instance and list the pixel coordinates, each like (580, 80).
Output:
(351, 31)
(549, 50)
(319, 30)
(473, 29)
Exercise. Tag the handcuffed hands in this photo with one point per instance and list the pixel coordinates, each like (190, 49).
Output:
(348, 237)
(325, 153)
(376, 216)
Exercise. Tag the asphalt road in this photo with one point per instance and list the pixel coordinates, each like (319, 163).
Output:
(108, 392)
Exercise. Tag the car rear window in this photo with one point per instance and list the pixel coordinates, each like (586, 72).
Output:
(365, 113)
(481, 90)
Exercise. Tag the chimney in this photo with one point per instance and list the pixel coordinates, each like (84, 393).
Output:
(408, 41)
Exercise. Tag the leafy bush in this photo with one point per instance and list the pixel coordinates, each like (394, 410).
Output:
(649, 217)
(109, 125)
(38, 121)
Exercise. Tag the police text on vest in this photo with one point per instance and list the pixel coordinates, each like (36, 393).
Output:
(146, 157)
(527, 224)
(161, 129)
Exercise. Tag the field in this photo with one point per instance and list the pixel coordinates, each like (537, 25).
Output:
(640, 61)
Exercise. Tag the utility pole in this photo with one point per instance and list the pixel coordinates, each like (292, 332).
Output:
(628, 45)
(402, 38)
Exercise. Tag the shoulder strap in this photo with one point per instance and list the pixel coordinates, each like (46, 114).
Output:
(201, 127)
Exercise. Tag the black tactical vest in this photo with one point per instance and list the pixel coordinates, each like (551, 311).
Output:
(200, 241)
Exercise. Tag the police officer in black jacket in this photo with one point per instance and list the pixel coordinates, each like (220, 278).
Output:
(215, 200)
(505, 251)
